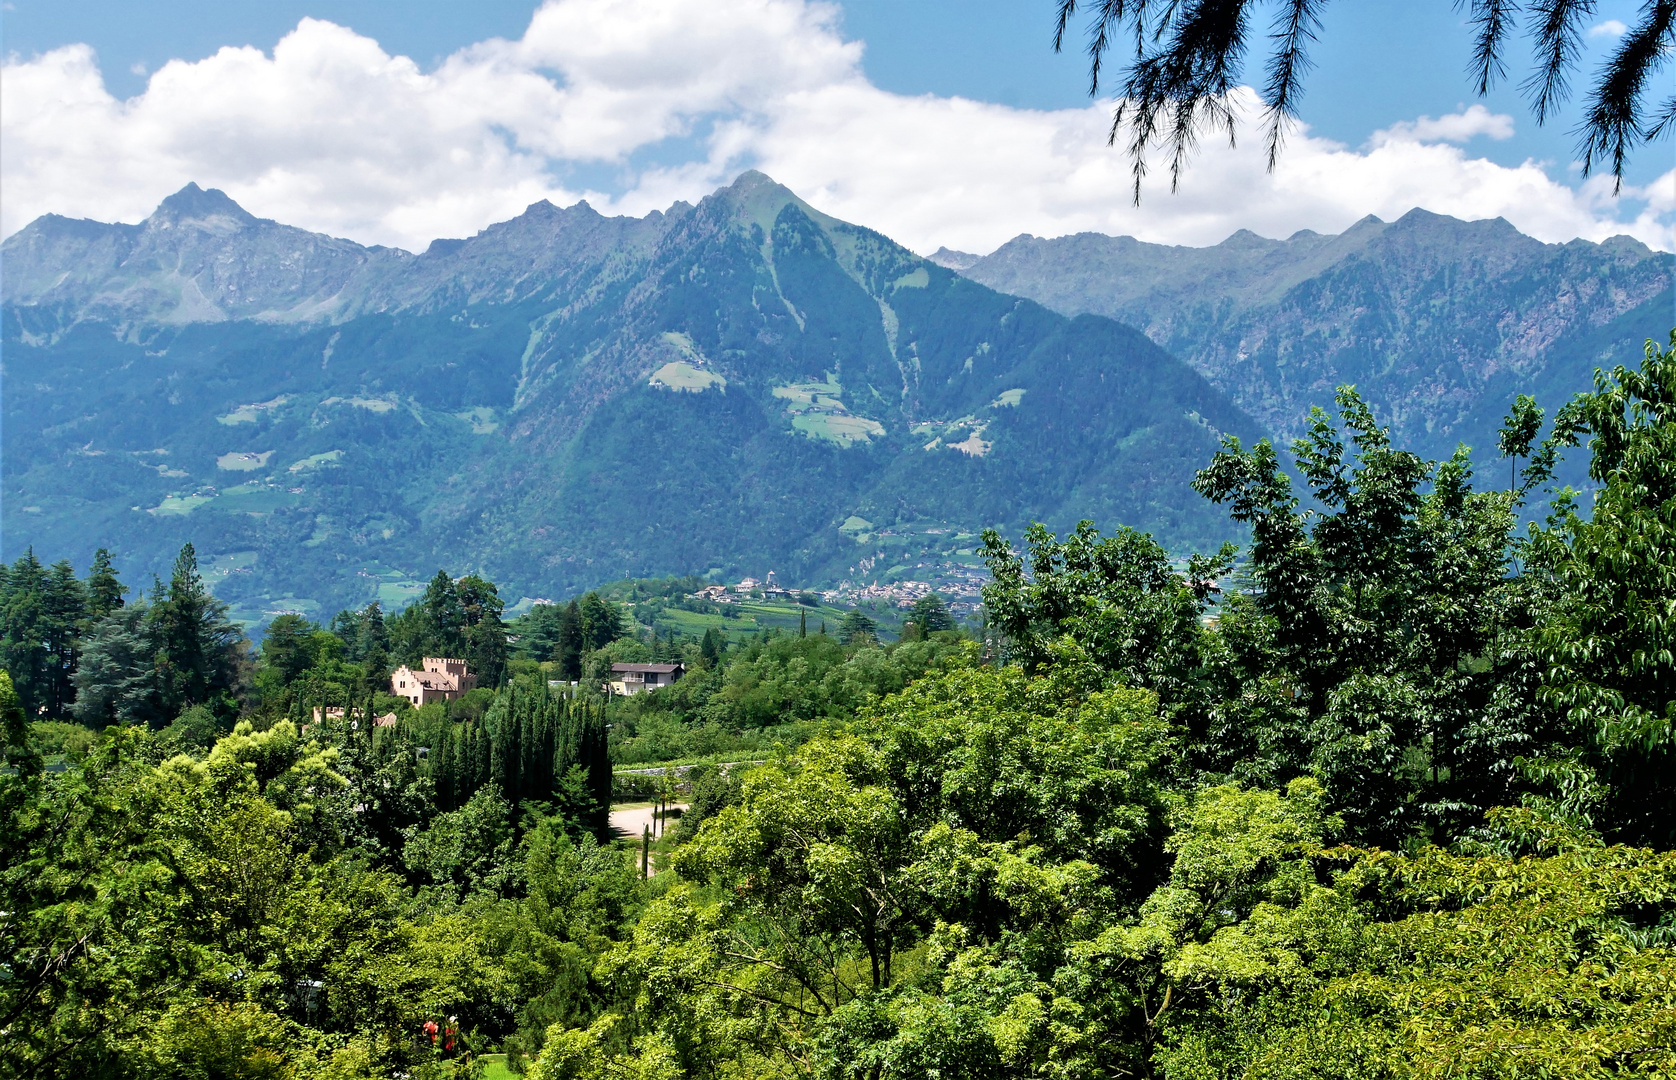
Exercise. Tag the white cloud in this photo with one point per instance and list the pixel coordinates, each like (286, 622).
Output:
(1609, 28)
(331, 133)
(1457, 127)
(972, 175)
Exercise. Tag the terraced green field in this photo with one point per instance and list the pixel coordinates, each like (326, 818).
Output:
(254, 499)
(817, 410)
(754, 617)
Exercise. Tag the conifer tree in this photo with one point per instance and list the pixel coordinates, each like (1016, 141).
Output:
(23, 632)
(482, 759)
(194, 637)
(530, 784)
(930, 614)
(368, 719)
(502, 732)
(104, 591)
(595, 758)
(116, 678)
(444, 770)
(857, 628)
(437, 621)
(482, 634)
(64, 601)
(602, 622)
(374, 641)
(572, 643)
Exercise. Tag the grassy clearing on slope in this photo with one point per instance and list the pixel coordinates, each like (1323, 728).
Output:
(247, 414)
(244, 461)
(818, 411)
(179, 504)
(314, 461)
(254, 499)
(679, 375)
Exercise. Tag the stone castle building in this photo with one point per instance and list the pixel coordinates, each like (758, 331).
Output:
(443, 679)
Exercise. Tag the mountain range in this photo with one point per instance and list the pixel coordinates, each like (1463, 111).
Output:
(1439, 321)
(734, 386)
(741, 385)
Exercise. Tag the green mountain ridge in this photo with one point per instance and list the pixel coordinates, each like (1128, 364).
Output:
(563, 399)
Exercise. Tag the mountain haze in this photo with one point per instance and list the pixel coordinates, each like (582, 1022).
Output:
(564, 398)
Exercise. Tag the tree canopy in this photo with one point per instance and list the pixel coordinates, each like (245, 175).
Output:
(1384, 794)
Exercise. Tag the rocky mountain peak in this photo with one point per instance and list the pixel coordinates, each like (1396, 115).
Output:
(953, 260)
(1245, 238)
(755, 198)
(203, 207)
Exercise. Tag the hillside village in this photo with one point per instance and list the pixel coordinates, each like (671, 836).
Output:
(961, 589)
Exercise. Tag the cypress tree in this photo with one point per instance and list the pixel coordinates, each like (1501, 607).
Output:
(548, 720)
(484, 755)
(596, 758)
(465, 770)
(564, 755)
(529, 749)
(443, 770)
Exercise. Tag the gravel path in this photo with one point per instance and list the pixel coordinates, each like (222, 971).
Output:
(631, 821)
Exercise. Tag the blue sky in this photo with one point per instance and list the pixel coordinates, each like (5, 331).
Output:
(1380, 65)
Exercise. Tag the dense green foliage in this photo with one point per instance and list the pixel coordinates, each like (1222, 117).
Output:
(1383, 796)
(75, 648)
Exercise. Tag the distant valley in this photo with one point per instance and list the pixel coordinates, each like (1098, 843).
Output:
(742, 385)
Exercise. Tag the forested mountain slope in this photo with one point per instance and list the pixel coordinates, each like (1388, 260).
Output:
(562, 399)
(1439, 322)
